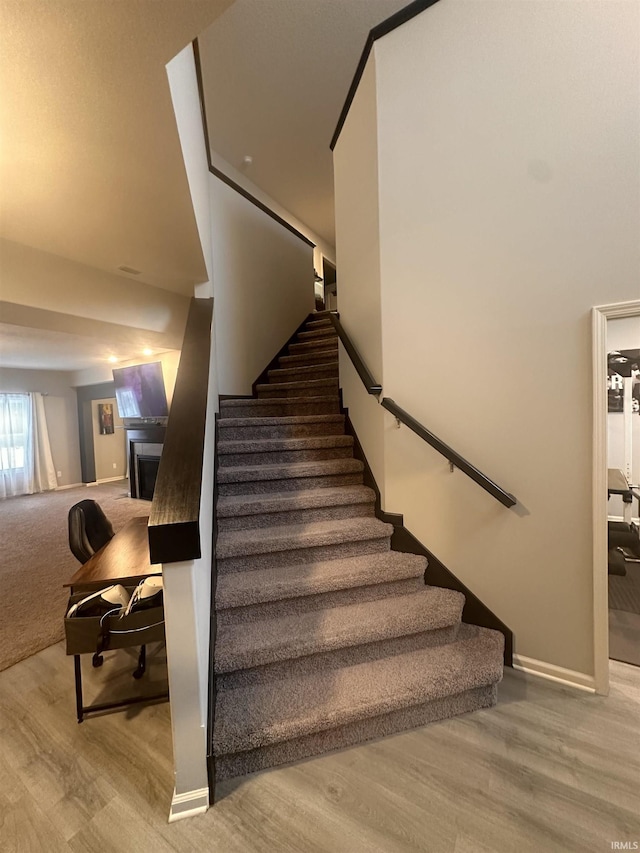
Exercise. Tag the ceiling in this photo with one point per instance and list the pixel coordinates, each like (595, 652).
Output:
(36, 339)
(32, 348)
(276, 74)
(90, 164)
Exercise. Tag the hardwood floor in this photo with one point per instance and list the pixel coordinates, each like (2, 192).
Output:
(550, 770)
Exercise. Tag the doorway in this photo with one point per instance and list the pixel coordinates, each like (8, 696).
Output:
(330, 277)
(623, 460)
(606, 455)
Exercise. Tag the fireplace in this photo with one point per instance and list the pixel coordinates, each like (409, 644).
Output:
(145, 449)
(146, 475)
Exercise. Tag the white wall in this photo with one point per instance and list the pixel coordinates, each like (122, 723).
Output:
(108, 450)
(622, 333)
(509, 198)
(263, 287)
(322, 247)
(183, 83)
(61, 408)
(358, 255)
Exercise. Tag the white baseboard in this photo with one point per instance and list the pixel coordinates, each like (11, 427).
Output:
(70, 486)
(568, 677)
(189, 804)
(107, 480)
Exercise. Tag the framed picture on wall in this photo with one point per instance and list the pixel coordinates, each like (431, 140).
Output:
(105, 418)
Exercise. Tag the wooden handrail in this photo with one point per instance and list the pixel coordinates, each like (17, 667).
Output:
(174, 524)
(364, 373)
(456, 460)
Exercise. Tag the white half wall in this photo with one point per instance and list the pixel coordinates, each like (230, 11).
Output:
(263, 287)
(183, 84)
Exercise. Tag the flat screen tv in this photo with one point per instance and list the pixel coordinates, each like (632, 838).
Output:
(140, 391)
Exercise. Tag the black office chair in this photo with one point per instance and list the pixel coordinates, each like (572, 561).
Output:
(89, 529)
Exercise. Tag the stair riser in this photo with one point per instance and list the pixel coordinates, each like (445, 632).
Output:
(297, 374)
(229, 766)
(310, 603)
(308, 359)
(285, 457)
(309, 391)
(301, 516)
(285, 431)
(274, 410)
(291, 484)
(301, 556)
(312, 347)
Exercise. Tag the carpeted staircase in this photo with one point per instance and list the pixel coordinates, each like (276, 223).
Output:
(325, 637)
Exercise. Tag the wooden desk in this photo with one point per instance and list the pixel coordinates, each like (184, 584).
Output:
(124, 559)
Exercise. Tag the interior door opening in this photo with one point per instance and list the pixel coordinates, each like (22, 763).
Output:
(623, 488)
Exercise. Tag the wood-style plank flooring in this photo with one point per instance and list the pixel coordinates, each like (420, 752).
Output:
(550, 769)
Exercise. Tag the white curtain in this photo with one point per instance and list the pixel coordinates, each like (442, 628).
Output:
(26, 464)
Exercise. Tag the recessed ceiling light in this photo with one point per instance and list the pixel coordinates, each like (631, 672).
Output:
(112, 359)
(147, 351)
(130, 270)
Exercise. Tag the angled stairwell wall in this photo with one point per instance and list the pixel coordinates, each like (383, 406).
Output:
(263, 287)
(499, 228)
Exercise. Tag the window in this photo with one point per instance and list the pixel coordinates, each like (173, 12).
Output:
(14, 429)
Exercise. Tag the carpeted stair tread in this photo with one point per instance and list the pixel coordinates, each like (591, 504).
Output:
(229, 506)
(243, 429)
(273, 445)
(242, 589)
(328, 370)
(316, 534)
(317, 345)
(255, 716)
(276, 406)
(292, 420)
(319, 324)
(307, 359)
(255, 403)
(311, 334)
(293, 470)
(362, 730)
(323, 386)
(258, 643)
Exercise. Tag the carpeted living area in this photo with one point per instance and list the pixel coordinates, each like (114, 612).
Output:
(325, 637)
(35, 562)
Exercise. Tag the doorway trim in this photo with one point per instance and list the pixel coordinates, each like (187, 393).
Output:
(600, 315)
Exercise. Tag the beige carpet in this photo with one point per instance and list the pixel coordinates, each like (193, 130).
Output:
(35, 561)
